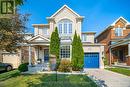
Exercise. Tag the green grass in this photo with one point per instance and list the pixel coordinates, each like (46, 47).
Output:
(123, 71)
(48, 80)
(10, 74)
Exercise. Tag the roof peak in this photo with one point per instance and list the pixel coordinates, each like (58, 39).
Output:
(65, 6)
(121, 17)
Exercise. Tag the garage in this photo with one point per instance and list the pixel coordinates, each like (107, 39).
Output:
(91, 60)
(12, 58)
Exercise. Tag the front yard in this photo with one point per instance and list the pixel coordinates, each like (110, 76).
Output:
(123, 71)
(44, 80)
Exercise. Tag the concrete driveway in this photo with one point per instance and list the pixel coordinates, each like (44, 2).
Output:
(111, 79)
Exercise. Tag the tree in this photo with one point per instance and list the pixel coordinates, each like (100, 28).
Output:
(74, 49)
(19, 2)
(77, 53)
(55, 43)
(12, 31)
(80, 52)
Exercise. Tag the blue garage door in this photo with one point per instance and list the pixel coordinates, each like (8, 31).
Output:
(91, 60)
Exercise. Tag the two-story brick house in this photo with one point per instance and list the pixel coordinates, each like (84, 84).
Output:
(115, 37)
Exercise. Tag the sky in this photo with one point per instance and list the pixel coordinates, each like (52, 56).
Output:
(98, 13)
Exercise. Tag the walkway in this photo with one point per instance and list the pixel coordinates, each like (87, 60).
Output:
(111, 79)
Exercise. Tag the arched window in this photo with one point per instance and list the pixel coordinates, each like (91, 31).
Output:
(118, 31)
(65, 27)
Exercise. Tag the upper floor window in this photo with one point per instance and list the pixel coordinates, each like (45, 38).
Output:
(70, 28)
(84, 38)
(118, 32)
(43, 31)
(60, 28)
(65, 26)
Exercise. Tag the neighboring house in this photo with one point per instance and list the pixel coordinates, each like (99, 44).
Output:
(67, 21)
(17, 58)
(116, 38)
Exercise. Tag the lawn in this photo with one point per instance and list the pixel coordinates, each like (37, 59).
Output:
(123, 71)
(46, 80)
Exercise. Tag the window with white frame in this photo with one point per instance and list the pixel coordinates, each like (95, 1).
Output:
(118, 31)
(65, 51)
(40, 31)
(43, 31)
(84, 37)
(65, 27)
(60, 28)
(70, 28)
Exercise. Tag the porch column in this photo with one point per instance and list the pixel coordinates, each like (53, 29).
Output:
(29, 48)
(128, 57)
(35, 55)
(110, 56)
(129, 49)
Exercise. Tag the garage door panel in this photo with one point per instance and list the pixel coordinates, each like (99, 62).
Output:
(91, 60)
(11, 58)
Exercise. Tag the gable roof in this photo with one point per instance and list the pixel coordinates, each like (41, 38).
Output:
(120, 18)
(112, 25)
(65, 6)
(39, 36)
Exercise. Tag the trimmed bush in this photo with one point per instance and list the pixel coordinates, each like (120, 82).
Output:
(77, 53)
(65, 66)
(77, 67)
(23, 67)
(105, 60)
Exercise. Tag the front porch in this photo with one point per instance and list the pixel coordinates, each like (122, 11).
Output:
(40, 46)
(120, 54)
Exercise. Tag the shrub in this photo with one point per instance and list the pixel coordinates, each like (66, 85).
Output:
(77, 67)
(57, 64)
(65, 66)
(77, 53)
(23, 67)
(105, 60)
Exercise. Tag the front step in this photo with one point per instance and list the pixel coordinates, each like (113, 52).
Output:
(39, 67)
(46, 67)
(122, 66)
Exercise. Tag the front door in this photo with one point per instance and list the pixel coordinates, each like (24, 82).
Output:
(121, 56)
(46, 55)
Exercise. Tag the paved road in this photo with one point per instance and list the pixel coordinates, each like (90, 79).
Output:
(111, 79)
